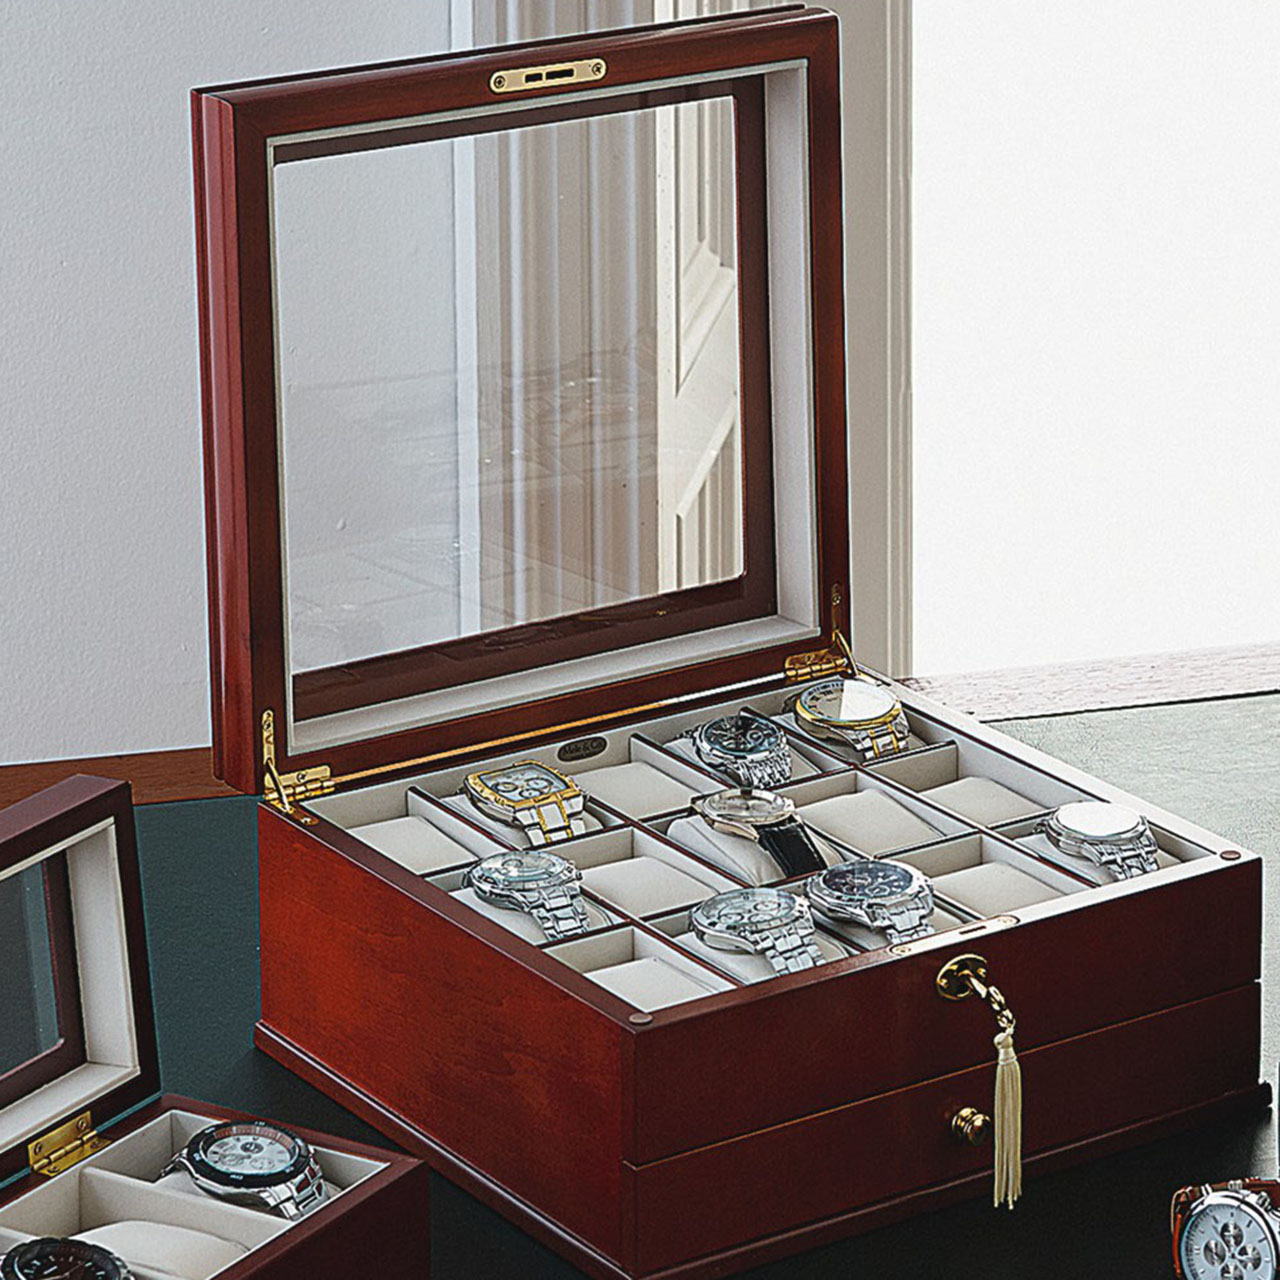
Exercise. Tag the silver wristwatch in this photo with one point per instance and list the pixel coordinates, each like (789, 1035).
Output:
(542, 885)
(746, 748)
(256, 1164)
(890, 897)
(1231, 1230)
(770, 820)
(854, 711)
(545, 804)
(1111, 836)
(767, 922)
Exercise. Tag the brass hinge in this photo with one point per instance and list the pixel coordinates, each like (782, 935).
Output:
(282, 790)
(821, 664)
(64, 1146)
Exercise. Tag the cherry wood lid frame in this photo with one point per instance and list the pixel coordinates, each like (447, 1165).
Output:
(46, 819)
(231, 129)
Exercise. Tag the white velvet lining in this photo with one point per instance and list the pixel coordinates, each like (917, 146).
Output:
(981, 800)
(115, 1198)
(988, 877)
(642, 875)
(968, 757)
(415, 843)
(738, 855)
(102, 963)
(868, 821)
(639, 969)
(746, 966)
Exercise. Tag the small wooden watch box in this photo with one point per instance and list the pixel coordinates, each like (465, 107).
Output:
(526, 440)
(84, 1132)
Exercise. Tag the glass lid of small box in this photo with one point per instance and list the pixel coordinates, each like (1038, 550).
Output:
(77, 1040)
(524, 386)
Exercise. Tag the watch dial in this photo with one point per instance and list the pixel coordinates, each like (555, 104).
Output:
(249, 1154)
(757, 808)
(848, 701)
(253, 1152)
(525, 781)
(51, 1259)
(867, 881)
(748, 908)
(1227, 1239)
(523, 870)
(1098, 820)
(743, 736)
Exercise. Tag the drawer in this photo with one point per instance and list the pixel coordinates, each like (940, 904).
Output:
(785, 1177)
(821, 1040)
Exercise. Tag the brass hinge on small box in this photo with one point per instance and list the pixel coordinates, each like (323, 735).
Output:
(821, 664)
(65, 1146)
(283, 789)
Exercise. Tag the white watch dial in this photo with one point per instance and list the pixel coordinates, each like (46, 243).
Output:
(528, 781)
(249, 1153)
(1228, 1240)
(848, 701)
(1099, 820)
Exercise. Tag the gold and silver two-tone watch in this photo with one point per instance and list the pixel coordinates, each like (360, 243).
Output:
(855, 712)
(544, 803)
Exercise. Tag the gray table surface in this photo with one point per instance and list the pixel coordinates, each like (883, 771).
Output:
(1217, 763)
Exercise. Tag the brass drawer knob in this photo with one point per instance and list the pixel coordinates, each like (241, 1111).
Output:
(971, 1126)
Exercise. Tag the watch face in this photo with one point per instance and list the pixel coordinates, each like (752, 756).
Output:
(742, 910)
(1227, 1239)
(848, 702)
(755, 808)
(248, 1155)
(526, 869)
(743, 737)
(867, 881)
(525, 781)
(1097, 820)
(51, 1259)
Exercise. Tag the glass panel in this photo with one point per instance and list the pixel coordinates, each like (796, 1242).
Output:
(27, 993)
(509, 378)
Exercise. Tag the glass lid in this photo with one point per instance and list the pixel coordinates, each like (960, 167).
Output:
(525, 342)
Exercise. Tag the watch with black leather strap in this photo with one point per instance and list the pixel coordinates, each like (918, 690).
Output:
(1226, 1230)
(767, 818)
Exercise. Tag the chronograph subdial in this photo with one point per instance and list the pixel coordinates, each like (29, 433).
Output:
(1228, 1233)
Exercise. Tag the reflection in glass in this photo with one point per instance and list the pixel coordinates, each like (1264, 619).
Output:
(508, 377)
(29, 1026)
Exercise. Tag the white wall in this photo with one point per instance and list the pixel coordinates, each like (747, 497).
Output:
(102, 588)
(1096, 339)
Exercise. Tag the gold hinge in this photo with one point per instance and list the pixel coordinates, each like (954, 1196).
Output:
(64, 1146)
(821, 664)
(283, 789)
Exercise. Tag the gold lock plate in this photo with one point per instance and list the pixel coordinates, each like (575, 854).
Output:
(65, 1146)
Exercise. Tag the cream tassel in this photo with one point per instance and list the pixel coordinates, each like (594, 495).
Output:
(1007, 1111)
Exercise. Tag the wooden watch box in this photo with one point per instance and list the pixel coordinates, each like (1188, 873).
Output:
(85, 1132)
(526, 440)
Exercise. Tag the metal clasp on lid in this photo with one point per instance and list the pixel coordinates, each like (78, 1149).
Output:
(65, 1146)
